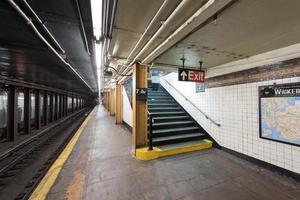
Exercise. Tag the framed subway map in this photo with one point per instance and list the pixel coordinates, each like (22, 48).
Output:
(279, 113)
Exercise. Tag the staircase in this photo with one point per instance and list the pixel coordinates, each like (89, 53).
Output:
(172, 125)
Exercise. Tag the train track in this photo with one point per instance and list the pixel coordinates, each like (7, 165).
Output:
(22, 167)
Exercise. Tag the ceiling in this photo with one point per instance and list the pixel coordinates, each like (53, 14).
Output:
(246, 28)
(242, 29)
(25, 57)
(132, 18)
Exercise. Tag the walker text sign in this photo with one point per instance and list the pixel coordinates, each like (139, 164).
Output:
(141, 94)
(191, 75)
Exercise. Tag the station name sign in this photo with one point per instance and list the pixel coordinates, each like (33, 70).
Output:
(191, 75)
(141, 94)
(280, 91)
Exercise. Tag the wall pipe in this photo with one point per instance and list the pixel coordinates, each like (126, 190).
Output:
(30, 23)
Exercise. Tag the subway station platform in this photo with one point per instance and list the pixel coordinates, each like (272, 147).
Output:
(101, 166)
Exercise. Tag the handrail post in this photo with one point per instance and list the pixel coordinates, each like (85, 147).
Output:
(150, 147)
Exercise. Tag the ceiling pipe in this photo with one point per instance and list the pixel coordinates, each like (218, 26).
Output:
(154, 19)
(43, 26)
(30, 23)
(177, 31)
(159, 31)
(82, 27)
(183, 26)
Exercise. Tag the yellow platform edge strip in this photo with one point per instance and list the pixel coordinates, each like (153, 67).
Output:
(43, 188)
(145, 154)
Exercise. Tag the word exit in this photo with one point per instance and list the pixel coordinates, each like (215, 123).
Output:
(191, 75)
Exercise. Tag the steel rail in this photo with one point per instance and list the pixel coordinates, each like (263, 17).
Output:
(40, 133)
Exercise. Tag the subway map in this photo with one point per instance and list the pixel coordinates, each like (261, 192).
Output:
(280, 119)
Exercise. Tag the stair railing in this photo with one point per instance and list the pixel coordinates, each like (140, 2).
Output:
(150, 146)
(203, 113)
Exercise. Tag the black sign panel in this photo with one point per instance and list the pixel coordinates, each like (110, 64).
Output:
(286, 90)
(191, 75)
(279, 113)
(141, 94)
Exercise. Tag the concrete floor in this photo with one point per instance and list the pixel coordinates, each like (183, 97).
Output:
(101, 166)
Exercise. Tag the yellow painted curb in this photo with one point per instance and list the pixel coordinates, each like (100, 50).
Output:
(145, 154)
(42, 190)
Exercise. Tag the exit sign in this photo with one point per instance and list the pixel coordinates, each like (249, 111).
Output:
(191, 75)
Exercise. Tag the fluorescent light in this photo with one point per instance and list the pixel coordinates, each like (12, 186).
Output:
(97, 17)
(98, 51)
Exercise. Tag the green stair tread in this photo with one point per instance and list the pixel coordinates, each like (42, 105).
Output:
(175, 129)
(170, 117)
(165, 108)
(173, 123)
(175, 137)
(163, 113)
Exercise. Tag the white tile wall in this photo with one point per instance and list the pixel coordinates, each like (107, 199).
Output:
(236, 109)
(126, 108)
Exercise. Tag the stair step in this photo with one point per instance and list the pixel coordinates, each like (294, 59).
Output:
(177, 139)
(164, 109)
(173, 123)
(183, 130)
(171, 118)
(156, 101)
(154, 114)
(160, 97)
(162, 105)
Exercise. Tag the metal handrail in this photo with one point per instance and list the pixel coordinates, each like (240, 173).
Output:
(206, 116)
(150, 146)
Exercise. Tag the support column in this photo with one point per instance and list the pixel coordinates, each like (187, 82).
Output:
(112, 102)
(37, 110)
(45, 108)
(119, 104)
(12, 121)
(27, 111)
(107, 100)
(139, 107)
(56, 108)
(51, 107)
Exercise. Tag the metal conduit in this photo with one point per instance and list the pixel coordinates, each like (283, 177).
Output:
(30, 23)
(82, 27)
(44, 27)
(162, 7)
(161, 29)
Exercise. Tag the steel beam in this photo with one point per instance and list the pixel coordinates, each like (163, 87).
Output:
(51, 107)
(56, 108)
(45, 108)
(37, 110)
(12, 122)
(27, 111)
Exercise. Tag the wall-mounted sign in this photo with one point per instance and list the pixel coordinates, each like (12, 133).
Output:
(141, 94)
(191, 75)
(200, 87)
(279, 109)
